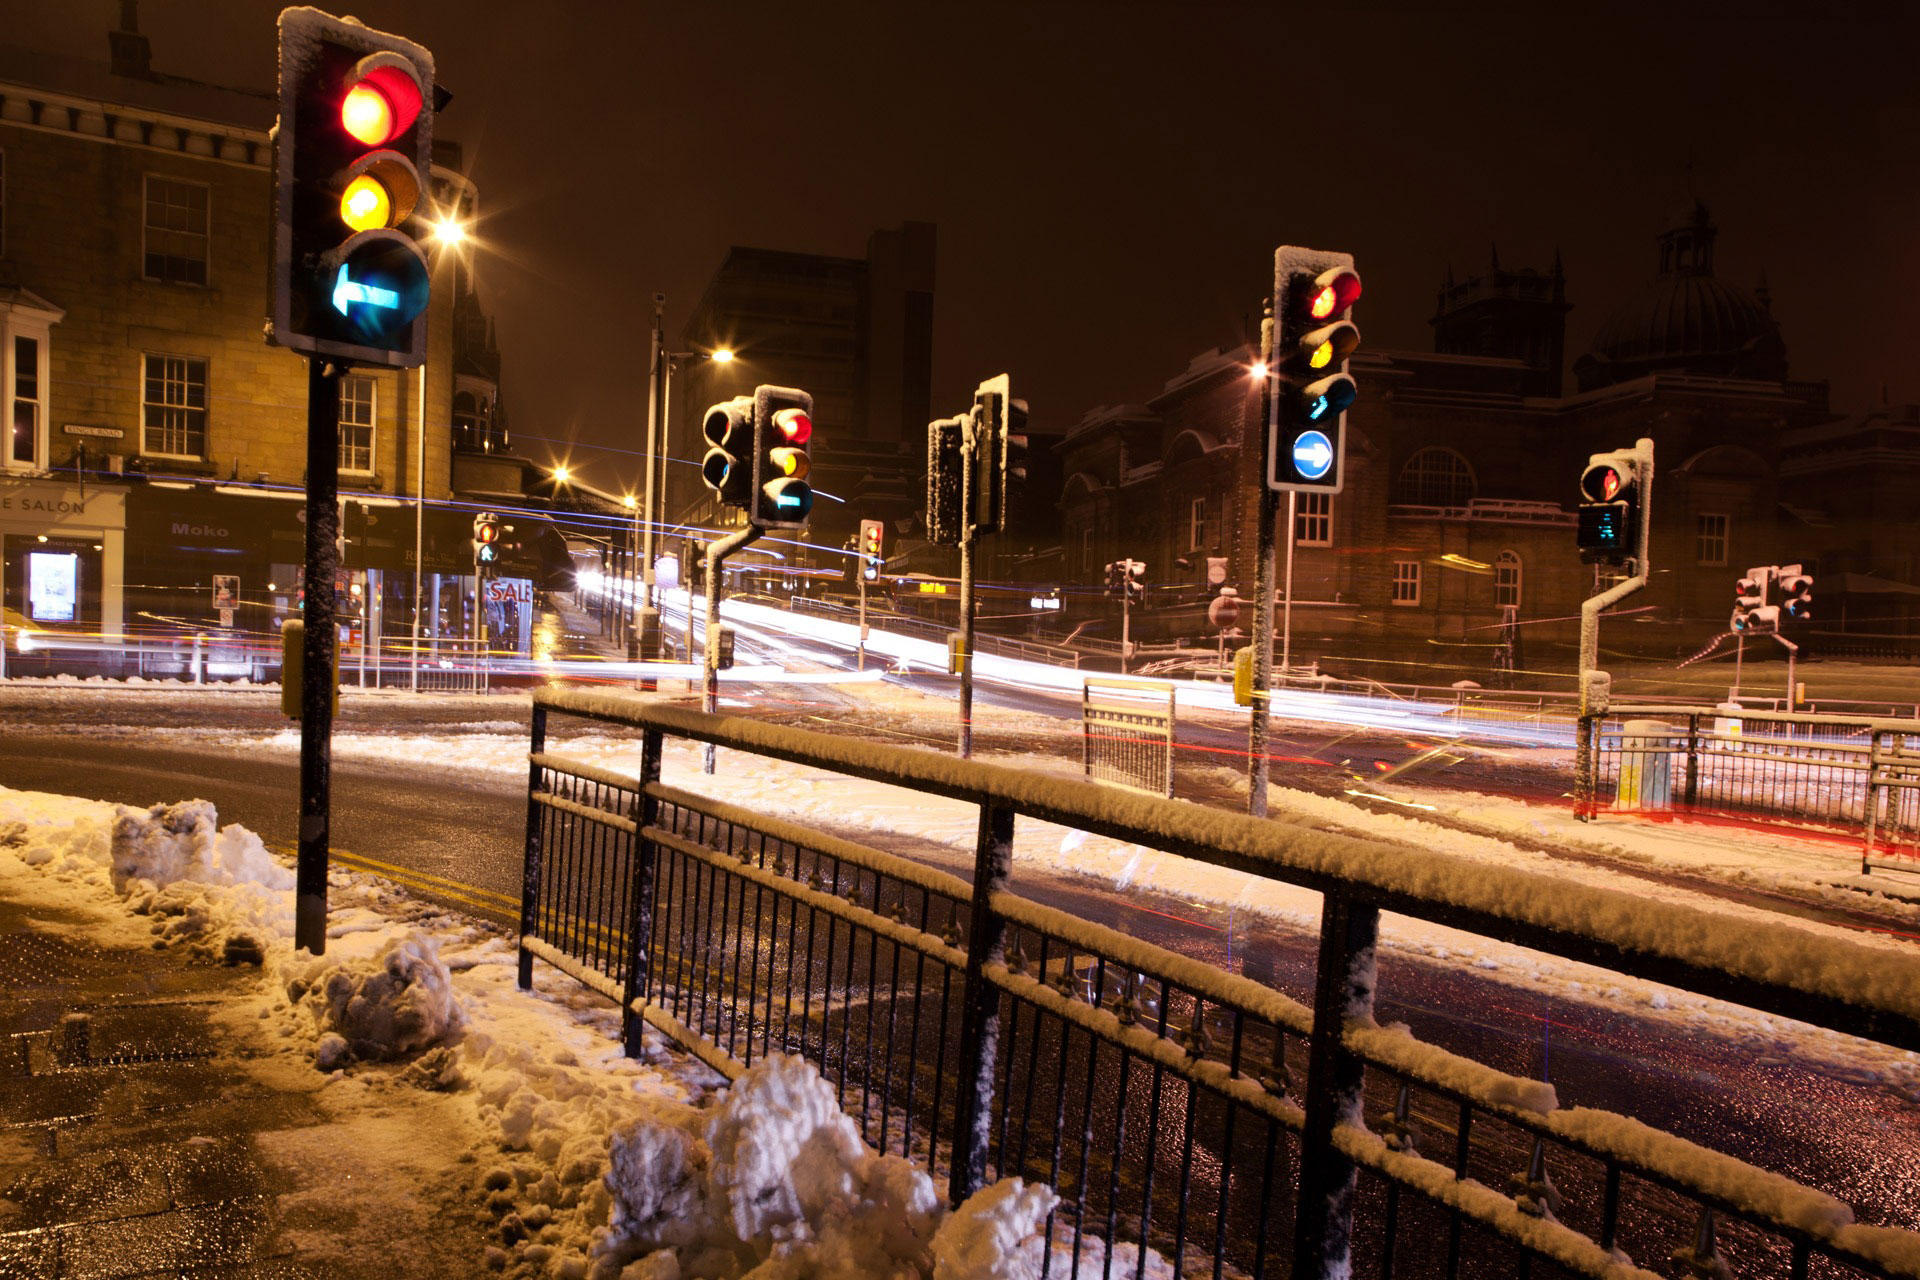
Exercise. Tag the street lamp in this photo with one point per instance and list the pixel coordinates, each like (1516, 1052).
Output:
(447, 232)
(644, 641)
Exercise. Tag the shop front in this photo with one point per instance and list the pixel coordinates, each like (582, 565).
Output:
(62, 575)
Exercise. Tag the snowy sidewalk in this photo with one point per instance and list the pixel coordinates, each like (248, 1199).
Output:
(186, 1095)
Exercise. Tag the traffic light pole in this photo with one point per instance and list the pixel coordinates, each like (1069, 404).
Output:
(1263, 596)
(644, 641)
(1593, 698)
(716, 552)
(966, 621)
(316, 655)
(860, 654)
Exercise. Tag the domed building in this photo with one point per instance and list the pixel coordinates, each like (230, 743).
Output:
(1687, 321)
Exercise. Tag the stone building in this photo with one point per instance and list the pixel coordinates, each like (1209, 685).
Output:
(856, 334)
(1454, 534)
(155, 447)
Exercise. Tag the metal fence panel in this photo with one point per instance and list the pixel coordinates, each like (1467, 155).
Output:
(1126, 733)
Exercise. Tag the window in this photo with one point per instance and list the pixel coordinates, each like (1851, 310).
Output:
(1710, 539)
(356, 423)
(176, 231)
(1506, 579)
(173, 411)
(1406, 582)
(1086, 550)
(3, 203)
(23, 423)
(1313, 519)
(1434, 478)
(1197, 525)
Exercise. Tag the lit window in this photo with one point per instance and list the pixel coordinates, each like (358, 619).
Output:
(176, 231)
(1506, 579)
(356, 423)
(25, 445)
(1710, 539)
(1313, 519)
(1406, 582)
(173, 408)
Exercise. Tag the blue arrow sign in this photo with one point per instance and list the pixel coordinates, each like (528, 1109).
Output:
(1312, 454)
(346, 292)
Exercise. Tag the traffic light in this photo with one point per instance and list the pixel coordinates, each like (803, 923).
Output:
(999, 434)
(1609, 508)
(782, 430)
(945, 480)
(351, 153)
(486, 540)
(728, 428)
(1116, 577)
(1750, 608)
(1314, 294)
(1134, 582)
(871, 532)
(1796, 593)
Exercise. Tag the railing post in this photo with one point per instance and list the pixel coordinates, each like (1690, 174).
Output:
(640, 906)
(1692, 792)
(1343, 990)
(980, 1005)
(530, 863)
(1586, 763)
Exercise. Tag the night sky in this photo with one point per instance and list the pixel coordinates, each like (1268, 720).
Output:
(1109, 178)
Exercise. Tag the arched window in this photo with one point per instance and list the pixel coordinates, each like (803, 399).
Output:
(1506, 579)
(1434, 477)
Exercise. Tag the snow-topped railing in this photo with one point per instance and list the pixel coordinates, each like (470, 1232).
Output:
(1037, 983)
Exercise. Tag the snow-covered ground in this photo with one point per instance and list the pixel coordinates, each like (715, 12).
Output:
(583, 1162)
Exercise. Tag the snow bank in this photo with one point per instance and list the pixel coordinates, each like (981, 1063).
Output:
(394, 1006)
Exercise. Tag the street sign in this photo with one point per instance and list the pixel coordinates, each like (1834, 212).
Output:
(226, 593)
(1312, 454)
(226, 617)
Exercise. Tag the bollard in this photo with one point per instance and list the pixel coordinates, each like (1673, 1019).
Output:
(197, 642)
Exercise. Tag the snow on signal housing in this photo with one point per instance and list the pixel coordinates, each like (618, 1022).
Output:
(728, 428)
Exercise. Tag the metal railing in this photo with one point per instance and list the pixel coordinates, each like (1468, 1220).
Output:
(1893, 802)
(905, 624)
(1177, 1108)
(1126, 733)
(1810, 769)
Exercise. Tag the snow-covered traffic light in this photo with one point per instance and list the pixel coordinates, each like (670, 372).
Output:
(999, 425)
(782, 432)
(1609, 518)
(1796, 593)
(871, 559)
(1751, 612)
(1133, 581)
(486, 541)
(727, 468)
(350, 154)
(1314, 293)
(945, 480)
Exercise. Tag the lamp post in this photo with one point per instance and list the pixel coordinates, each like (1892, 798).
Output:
(449, 233)
(645, 640)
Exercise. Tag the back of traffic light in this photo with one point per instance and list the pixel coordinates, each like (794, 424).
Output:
(1752, 615)
(351, 150)
(727, 468)
(1796, 592)
(1609, 521)
(999, 425)
(946, 481)
(1314, 334)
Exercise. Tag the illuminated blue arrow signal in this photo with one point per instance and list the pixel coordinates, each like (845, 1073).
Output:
(1312, 454)
(347, 292)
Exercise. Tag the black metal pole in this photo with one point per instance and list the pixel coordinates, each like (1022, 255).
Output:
(1269, 509)
(980, 1002)
(1342, 991)
(317, 674)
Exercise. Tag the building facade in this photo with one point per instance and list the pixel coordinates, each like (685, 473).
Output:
(1451, 544)
(855, 333)
(156, 445)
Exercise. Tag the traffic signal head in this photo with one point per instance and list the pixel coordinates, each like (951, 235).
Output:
(945, 480)
(1764, 620)
(1796, 593)
(1133, 580)
(486, 540)
(782, 434)
(871, 558)
(1750, 600)
(999, 425)
(1314, 334)
(728, 468)
(1609, 507)
(354, 139)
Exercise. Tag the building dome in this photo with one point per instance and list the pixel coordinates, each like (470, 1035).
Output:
(1686, 321)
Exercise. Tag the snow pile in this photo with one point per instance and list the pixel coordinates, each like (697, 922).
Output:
(996, 1235)
(393, 1005)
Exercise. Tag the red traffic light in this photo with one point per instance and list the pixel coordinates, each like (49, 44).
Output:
(1333, 292)
(1602, 483)
(487, 532)
(383, 101)
(794, 426)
